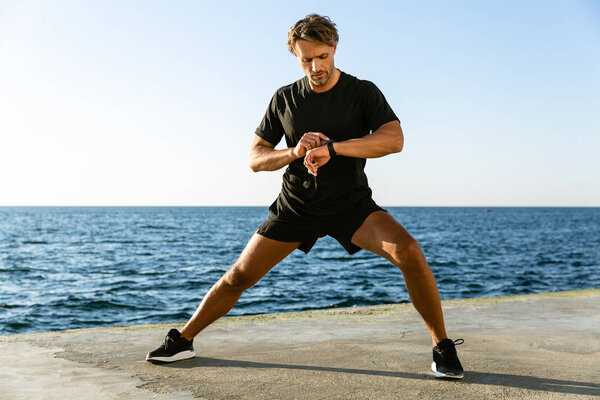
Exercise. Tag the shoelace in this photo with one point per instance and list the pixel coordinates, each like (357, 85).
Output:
(168, 339)
(451, 350)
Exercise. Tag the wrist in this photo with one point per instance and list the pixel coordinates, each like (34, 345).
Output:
(330, 148)
(293, 155)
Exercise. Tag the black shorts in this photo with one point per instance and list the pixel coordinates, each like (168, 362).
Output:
(341, 227)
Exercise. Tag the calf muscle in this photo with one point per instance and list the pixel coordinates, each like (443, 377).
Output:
(258, 257)
(383, 235)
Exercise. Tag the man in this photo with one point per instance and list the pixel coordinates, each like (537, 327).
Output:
(332, 122)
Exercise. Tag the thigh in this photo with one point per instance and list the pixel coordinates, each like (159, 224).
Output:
(343, 226)
(258, 257)
(286, 227)
(381, 234)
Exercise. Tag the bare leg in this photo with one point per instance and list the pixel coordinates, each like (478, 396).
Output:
(383, 235)
(260, 255)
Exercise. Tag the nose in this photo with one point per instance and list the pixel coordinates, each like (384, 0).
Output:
(316, 64)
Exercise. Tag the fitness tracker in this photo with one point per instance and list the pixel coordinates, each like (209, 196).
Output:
(329, 144)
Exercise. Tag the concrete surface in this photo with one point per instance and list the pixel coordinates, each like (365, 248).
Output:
(523, 347)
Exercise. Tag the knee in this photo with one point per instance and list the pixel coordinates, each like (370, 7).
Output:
(236, 280)
(407, 253)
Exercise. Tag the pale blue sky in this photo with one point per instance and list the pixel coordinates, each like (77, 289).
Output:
(155, 103)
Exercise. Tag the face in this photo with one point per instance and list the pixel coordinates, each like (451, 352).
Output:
(316, 60)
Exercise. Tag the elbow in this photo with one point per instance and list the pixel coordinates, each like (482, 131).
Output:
(254, 167)
(253, 164)
(398, 144)
(395, 138)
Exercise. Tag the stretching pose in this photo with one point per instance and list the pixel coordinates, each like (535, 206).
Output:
(332, 122)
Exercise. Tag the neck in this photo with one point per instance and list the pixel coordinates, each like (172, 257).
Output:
(335, 77)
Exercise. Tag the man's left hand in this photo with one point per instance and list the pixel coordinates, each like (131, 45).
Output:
(316, 158)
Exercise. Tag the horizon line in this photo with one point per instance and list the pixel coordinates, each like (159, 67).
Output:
(266, 206)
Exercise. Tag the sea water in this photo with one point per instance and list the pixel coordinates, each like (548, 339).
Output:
(76, 267)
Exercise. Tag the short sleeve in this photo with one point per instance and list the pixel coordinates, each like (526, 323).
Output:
(377, 109)
(270, 129)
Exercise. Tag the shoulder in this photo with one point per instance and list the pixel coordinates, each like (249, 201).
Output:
(363, 85)
(285, 94)
(291, 89)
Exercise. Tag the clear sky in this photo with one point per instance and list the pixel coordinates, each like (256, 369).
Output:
(156, 103)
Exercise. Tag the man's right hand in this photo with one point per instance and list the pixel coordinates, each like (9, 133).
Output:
(309, 140)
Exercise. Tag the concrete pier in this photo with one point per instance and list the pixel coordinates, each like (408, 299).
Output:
(544, 346)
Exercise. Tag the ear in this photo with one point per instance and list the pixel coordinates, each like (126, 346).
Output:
(334, 49)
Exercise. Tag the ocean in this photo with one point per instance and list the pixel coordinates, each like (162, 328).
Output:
(78, 267)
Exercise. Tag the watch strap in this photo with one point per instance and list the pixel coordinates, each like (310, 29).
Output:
(329, 144)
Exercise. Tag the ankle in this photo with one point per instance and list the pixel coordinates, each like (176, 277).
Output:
(435, 340)
(186, 335)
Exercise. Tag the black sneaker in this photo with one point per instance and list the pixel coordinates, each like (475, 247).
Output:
(175, 348)
(445, 361)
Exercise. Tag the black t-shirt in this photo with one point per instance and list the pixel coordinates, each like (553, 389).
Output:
(351, 109)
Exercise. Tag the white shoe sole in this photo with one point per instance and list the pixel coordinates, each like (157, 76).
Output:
(443, 375)
(182, 355)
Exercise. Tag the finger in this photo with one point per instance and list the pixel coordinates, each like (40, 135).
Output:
(319, 141)
(322, 136)
(310, 165)
(316, 138)
(307, 163)
(311, 136)
(309, 143)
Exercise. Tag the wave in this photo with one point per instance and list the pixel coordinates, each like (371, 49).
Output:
(148, 264)
(159, 227)
(11, 306)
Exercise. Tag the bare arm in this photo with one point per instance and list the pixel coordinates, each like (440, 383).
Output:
(388, 139)
(264, 157)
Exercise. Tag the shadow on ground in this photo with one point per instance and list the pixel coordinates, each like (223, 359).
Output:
(472, 377)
